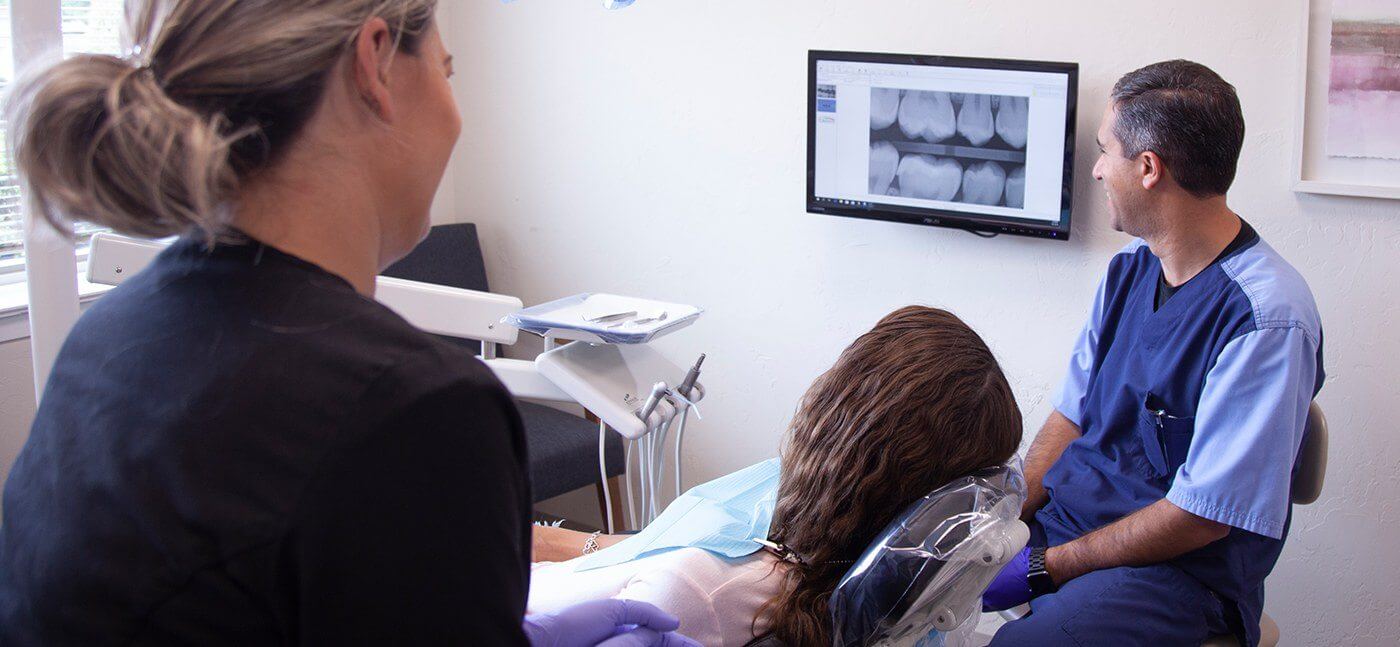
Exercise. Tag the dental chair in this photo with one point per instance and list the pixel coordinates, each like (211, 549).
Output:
(563, 447)
(920, 583)
(1309, 472)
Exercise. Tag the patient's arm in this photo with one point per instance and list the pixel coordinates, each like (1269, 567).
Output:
(1157, 533)
(552, 544)
(1052, 440)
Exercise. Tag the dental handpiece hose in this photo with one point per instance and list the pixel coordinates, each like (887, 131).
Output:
(646, 461)
(686, 389)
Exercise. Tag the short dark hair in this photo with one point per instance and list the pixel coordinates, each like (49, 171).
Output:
(1186, 114)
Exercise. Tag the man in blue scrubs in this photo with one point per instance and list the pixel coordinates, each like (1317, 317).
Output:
(1159, 487)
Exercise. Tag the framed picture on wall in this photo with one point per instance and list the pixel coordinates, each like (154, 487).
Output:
(1348, 131)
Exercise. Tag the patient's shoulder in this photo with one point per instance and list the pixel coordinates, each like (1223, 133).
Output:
(712, 572)
(716, 598)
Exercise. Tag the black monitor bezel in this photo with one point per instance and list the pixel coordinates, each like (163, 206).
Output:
(944, 217)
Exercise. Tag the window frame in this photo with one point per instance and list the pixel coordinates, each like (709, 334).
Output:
(37, 32)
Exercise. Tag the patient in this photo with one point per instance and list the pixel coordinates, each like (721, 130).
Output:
(909, 406)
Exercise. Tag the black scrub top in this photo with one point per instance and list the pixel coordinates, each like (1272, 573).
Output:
(237, 448)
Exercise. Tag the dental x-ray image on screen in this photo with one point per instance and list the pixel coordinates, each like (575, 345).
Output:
(949, 146)
(985, 145)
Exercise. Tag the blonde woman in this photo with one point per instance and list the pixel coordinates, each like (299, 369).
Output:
(239, 445)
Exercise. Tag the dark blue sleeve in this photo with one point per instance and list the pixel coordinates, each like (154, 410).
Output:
(1069, 399)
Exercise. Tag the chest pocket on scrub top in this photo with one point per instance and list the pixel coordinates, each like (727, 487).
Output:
(1166, 437)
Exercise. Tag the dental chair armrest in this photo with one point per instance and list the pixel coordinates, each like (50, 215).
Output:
(453, 312)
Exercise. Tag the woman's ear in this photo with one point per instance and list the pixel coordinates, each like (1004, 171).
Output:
(374, 52)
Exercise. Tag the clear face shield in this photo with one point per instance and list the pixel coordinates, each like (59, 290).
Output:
(921, 581)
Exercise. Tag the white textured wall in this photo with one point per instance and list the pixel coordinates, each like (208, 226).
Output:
(660, 151)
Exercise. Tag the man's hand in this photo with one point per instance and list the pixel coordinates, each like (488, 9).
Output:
(1009, 588)
(1151, 535)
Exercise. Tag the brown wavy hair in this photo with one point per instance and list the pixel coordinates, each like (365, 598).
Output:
(909, 406)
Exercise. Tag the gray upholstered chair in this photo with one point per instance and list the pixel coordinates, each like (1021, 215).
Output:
(563, 448)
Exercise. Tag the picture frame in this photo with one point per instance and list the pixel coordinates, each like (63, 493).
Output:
(1313, 171)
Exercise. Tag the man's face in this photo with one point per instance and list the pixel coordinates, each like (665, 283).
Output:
(1121, 177)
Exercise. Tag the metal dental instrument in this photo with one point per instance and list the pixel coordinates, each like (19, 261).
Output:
(659, 317)
(645, 320)
(658, 391)
(604, 318)
(691, 377)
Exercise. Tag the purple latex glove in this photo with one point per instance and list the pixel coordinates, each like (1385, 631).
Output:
(606, 623)
(1010, 587)
(644, 637)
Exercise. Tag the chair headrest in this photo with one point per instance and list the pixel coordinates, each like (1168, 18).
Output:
(927, 570)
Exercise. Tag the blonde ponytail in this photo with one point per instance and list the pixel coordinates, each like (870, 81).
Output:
(98, 140)
(156, 147)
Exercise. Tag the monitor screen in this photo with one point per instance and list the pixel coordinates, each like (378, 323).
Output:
(980, 144)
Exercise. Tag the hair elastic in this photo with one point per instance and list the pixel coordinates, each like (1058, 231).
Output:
(793, 557)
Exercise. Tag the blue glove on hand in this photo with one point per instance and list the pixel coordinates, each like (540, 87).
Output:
(1010, 587)
(606, 623)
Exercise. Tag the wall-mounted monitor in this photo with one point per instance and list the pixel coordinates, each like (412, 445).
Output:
(980, 144)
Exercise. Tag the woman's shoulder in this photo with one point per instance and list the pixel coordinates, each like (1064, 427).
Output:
(431, 368)
(256, 329)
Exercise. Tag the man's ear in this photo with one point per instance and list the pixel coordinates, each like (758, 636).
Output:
(1150, 169)
(373, 53)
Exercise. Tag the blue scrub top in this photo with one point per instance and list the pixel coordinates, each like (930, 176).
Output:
(1202, 402)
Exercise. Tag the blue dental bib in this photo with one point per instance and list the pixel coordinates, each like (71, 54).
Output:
(722, 516)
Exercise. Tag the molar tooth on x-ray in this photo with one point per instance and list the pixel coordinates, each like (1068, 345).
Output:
(1013, 120)
(928, 177)
(983, 183)
(884, 107)
(928, 115)
(1016, 188)
(884, 163)
(975, 119)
